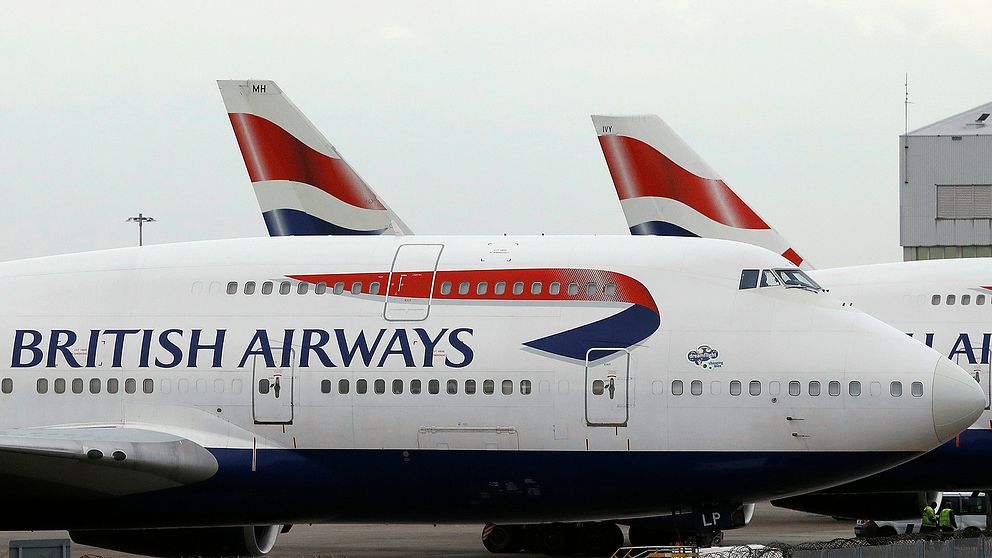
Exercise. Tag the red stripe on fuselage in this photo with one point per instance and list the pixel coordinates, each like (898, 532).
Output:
(640, 170)
(793, 257)
(417, 284)
(272, 153)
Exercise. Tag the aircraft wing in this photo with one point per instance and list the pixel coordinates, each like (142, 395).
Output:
(101, 460)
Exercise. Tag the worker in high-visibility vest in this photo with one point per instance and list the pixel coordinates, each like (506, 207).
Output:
(947, 521)
(929, 519)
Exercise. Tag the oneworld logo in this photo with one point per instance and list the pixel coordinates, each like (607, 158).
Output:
(703, 354)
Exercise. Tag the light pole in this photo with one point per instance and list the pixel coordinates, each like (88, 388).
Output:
(140, 220)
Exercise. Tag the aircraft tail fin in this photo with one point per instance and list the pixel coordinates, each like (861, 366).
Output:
(667, 189)
(302, 184)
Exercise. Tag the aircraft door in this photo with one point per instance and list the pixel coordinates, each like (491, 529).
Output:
(606, 393)
(411, 282)
(272, 392)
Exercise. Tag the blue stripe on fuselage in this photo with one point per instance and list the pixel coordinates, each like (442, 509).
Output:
(660, 228)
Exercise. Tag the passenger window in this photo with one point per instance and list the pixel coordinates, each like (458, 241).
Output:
(768, 278)
(397, 387)
(250, 287)
(130, 386)
(754, 388)
(951, 299)
(379, 386)
(773, 388)
(696, 387)
(95, 385)
(833, 388)
(452, 387)
(232, 288)
(895, 389)
(554, 289)
(356, 288)
(77, 385)
(965, 300)
(482, 287)
(507, 387)
(715, 387)
(610, 290)
(794, 388)
(338, 288)
(573, 289)
(525, 387)
(735, 387)
(854, 388)
(536, 287)
(488, 387)
(597, 387)
(374, 288)
(500, 288)
(321, 288)
(446, 287)
(362, 386)
(7, 385)
(325, 386)
(303, 288)
(518, 288)
(42, 385)
(677, 387)
(112, 385)
(147, 385)
(463, 287)
(344, 386)
(875, 389)
(266, 288)
(433, 387)
(814, 388)
(469, 387)
(917, 389)
(414, 387)
(60, 385)
(935, 300)
(749, 279)
(285, 287)
(263, 386)
(591, 289)
(979, 300)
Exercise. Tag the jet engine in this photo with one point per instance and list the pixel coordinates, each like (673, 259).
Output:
(252, 540)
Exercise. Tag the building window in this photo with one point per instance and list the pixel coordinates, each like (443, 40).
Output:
(964, 201)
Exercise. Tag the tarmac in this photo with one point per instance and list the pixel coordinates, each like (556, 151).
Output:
(769, 524)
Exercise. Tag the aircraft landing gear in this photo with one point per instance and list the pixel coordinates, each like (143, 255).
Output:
(555, 539)
(644, 536)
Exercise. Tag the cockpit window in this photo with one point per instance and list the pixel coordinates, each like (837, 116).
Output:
(749, 279)
(796, 278)
(768, 278)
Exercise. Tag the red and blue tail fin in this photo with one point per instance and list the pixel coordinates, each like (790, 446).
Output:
(302, 184)
(666, 189)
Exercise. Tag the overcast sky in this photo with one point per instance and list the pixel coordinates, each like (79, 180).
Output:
(473, 117)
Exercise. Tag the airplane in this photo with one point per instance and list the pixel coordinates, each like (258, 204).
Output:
(659, 178)
(200, 398)
(302, 184)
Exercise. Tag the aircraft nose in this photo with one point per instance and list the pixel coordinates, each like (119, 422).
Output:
(958, 400)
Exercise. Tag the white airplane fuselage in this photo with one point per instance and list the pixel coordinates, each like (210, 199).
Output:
(591, 377)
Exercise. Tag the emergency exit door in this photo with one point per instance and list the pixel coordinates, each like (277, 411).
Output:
(607, 389)
(411, 282)
(272, 390)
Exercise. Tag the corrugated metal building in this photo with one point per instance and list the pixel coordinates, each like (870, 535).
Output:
(945, 199)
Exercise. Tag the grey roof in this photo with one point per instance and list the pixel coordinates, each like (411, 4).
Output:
(967, 123)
